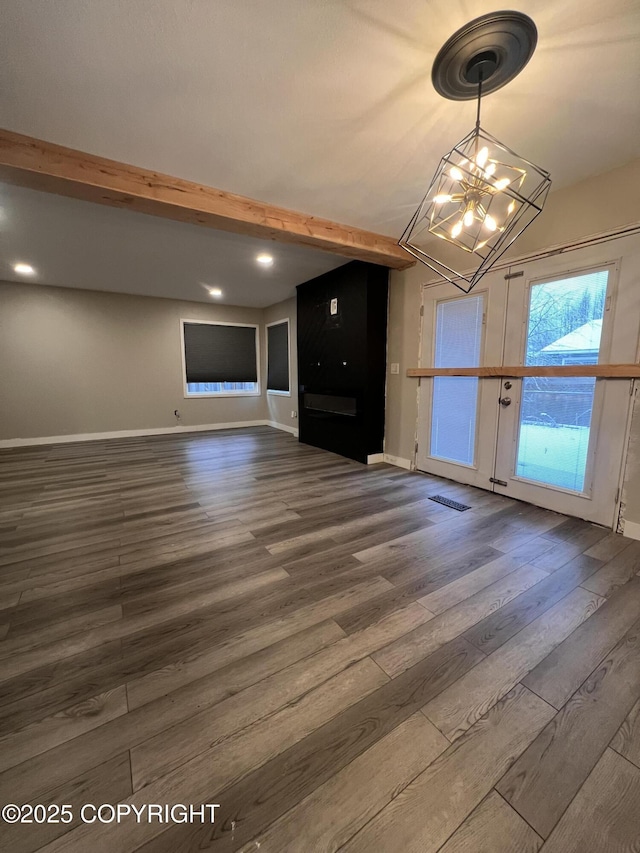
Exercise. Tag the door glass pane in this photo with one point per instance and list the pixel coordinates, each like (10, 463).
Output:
(455, 398)
(565, 326)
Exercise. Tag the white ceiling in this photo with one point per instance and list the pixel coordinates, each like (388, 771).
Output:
(323, 106)
(78, 244)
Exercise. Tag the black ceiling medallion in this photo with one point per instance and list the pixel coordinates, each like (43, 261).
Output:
(483, 195)
(500, 43)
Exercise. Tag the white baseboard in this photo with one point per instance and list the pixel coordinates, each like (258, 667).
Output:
(631, 529)
(283, 427)
(375, 458)
(398, 461)
(133, 433)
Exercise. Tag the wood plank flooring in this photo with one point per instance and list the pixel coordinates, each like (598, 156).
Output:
(339, 662)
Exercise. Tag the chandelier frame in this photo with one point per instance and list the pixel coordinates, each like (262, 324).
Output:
(483, 195)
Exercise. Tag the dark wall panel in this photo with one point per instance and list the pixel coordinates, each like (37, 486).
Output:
(342, 358)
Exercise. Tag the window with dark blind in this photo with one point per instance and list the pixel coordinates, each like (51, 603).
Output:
(220, 359)
(278, 357)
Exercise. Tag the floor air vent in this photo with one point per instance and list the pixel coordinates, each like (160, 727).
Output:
(440, 499)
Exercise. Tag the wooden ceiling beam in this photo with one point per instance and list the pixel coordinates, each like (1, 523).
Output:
(33, 163)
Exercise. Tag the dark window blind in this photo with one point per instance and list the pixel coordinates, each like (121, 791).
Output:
(220, 353)
(278, 357)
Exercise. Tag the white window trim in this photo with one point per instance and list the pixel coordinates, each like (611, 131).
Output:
(195, 396)
(279, 323)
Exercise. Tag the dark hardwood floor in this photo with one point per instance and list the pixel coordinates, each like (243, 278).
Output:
(339, 662)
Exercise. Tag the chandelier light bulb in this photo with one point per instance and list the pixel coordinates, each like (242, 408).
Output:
(457, 229)
(467, 219)
(455, 173)
(490, 169)
(490, 222)
(443, 198)
(483, 156)
(502, 184)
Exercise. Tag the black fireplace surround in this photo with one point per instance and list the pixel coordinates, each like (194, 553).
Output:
(342, 334)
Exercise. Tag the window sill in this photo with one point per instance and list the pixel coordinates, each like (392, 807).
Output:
(223, 394)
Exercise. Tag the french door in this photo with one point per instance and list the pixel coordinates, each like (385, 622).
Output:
(556, 442)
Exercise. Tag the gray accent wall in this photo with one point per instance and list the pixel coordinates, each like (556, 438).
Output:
(77, 361)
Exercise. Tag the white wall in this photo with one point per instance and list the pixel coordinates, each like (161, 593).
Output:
(403, 341)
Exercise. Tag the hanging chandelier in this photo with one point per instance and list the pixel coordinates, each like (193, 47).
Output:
(483, 195)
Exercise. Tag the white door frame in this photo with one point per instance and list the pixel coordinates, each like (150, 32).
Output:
(600, 501)
(620, 345)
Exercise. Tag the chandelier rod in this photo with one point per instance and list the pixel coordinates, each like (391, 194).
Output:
(479, 98)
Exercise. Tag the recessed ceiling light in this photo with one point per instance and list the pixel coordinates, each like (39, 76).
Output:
(265, 260)
(215, 291)
(23, 269)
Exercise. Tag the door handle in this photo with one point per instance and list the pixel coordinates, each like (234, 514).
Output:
(505, 401)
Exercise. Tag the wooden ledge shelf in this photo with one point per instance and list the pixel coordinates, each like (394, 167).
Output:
(600, 371)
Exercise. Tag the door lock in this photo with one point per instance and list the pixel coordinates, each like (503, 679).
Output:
(505, 401)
